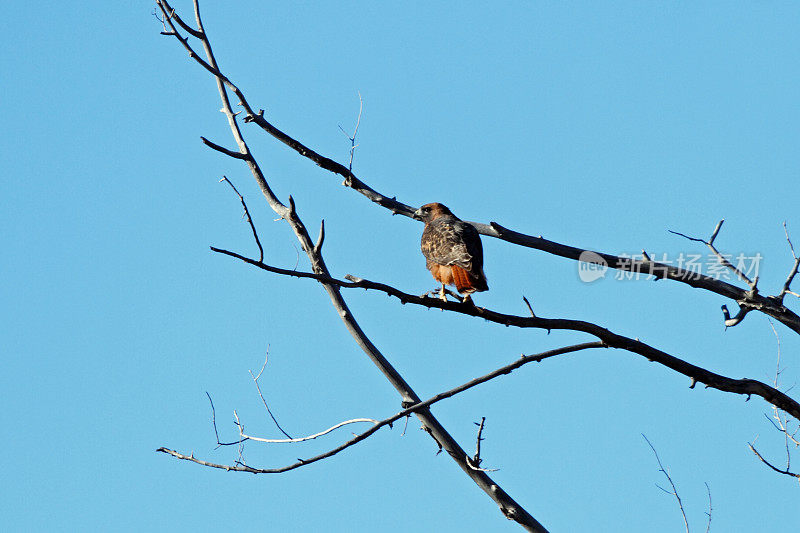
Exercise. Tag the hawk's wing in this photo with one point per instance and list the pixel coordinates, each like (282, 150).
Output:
(449, 241)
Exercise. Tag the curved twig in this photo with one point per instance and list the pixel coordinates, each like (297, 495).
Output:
(786, 472)
(245, 436)
(404, 413)
(671, 483)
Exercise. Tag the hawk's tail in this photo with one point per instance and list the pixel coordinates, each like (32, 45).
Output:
(468, 282)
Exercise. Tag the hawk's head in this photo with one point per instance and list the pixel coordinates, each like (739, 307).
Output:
(429, 212)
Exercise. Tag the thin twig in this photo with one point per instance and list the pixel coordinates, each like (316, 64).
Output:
(529, 306)
(793, 272)
(710, 508)
(309, 437)
(775, 468)
(669, 478)
(721, 258)
(214, 423)
(258, 388)
(352, 139)
(221, 149)
(778, 421)
(404, 413)
(248, 218)
(475, 461)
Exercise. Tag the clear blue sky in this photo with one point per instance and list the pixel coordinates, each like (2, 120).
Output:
(596, 126)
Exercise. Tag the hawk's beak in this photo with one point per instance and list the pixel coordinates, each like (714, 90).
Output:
(418, 214)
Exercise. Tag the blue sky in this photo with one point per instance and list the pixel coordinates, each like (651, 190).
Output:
(593, 125)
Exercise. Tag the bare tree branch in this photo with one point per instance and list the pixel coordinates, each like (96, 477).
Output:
(669, 478)
(508, 506)
(260, 395)
(475, 461)
(721, 258)
(223, 150)
(753, 284)
(747, 298)
(778, 420)
(793, 272)
(255, 236)
(214, 423)
(746, 387)
(507, 369)
(775, 468)
(245, 436)
(352, 139)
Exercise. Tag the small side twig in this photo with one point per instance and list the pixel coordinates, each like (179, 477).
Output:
(248, 218)
(221, 149)
(352, 138)
(731, 321)
(786, 472)
(721, 258)
(320, 239)
(674, 491)
(710, 508)
(214, 423)
(475, 461)
(529, 306)
(793, 272)
(388, 421)
(258, 388)
(752, 294)
(779, 421)
(245, 436)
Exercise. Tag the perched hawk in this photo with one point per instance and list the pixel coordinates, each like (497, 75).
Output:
(453, 251)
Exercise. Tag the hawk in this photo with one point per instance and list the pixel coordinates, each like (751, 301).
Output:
(453, 251)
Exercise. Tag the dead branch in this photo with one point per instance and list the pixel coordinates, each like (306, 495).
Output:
(475, 461)
(773, 467)
(404, 413)
(768, 305)
(245, 436)
(751, 295)
(721, 258)
(748, 387)
(674, 491)
(779, 421)
(508, 506)
(352, 139)
(252, 227)
(214, 423)
(260, 395)
(793, 272)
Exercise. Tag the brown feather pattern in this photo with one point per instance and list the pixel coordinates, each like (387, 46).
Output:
(452, 249)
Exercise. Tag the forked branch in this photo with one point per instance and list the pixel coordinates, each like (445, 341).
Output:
(507, 369)
(509, 507)
(674, 491)
(748, 387)
(768, 305)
